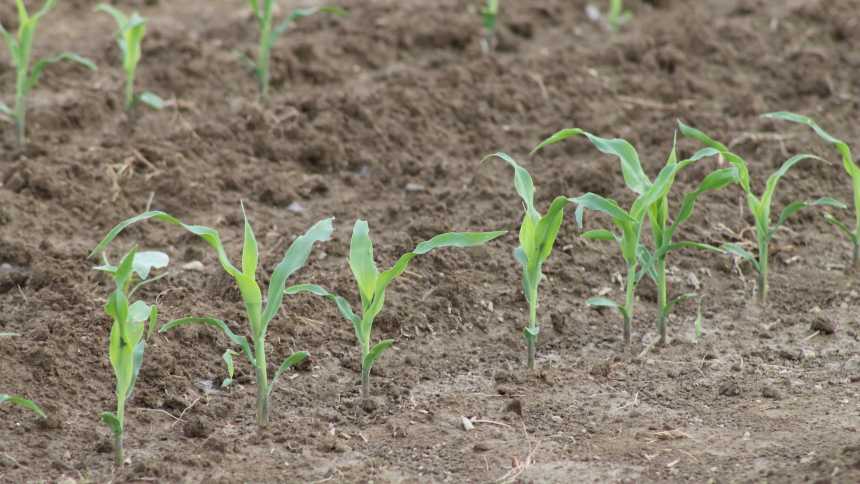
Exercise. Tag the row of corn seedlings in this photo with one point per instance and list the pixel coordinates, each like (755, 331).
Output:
(131, 30)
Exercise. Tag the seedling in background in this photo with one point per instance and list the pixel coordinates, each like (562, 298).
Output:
(129, 37)
(258, 316)
(127, 339)
(20, 401)
(20, 49)
(617, 16)
(760, 207)
(853, 171)
(537, 238)
(630, 223)
(269, 33)
(372, 285)
(490, 15)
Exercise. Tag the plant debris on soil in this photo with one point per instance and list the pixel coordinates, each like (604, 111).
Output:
(385, 115)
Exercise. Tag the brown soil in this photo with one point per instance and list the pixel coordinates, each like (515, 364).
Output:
(399, 93)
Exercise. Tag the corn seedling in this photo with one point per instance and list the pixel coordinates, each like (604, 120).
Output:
(372, 285)
(629, 223)
(853, 171)
(258, 316)
(617, 16)
(760, 207)
(129, 37)
(269, 33)
(127, 340)
(537, 238)
(663, 231)
(20, 49)
(490, 15)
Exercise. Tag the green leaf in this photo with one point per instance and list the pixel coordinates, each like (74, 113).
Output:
(744, 254)
(153, 321)
(8, 335)
(374, 354)
(598, 203)
(678, 299)
(361, 262)
(457, 239)
(557, 137)
(342, 304)
(294, 259)
(209, 235)
(217, 323)
(151, 99)
(112, 422)
(714, 181)
(255, 7)
(145, 261)
(46, 7)
(697, 324)
(4, 109)
(291, 361)
(41, 64)
(737, 161)
(23, 403)
(548, 227)
(531, 334)
(687, 245)
(600, 234)
(307, 12)
(139, 312)
(118, 16)
(523, 183)
(795, 207)
(839, 225)
(772, 181)
(250, 254)
(231, 368)
(602, 302)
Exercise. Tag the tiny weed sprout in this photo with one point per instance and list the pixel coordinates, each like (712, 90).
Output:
(760, 207)
(372, 285)
(490, 15)
(259, 316)
(264, 13)
(537, 238)
(630, 223)
(617, 16)
(129, 37)
(20, 49)
(20, 401)
(23, 403)
(853, 171)
(127, 338)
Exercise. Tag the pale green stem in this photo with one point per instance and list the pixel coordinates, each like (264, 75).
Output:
(129, 92)
(662, 299)
(364, 341)
(262, 382)
(119, 454)
(628, 302)
(533, 324)
(761, 281)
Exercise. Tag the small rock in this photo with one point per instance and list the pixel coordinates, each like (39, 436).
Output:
(414, 187)
(194, 265)
(556, 419)
(296, 207)
(824, 325)
(769, 391)
(467, 424)
(730, 388)
(482, 447)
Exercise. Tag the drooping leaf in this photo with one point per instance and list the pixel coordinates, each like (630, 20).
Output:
(342, 304)
(23, 403)
(291, 361)
(374, 354)
(603, 302)
(239, 340)
(772, 180)
(795, 207)
(41, 64)
(523, 183)
(145, 261)
(598, 203)
(744, 254)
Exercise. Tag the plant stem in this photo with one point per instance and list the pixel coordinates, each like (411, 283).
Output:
(119, 454)
(129, 92)
(628, 302)
(761, 281)
(532, 340)
(662, 300)
(262, 383)
(365, 383)
(264, 52)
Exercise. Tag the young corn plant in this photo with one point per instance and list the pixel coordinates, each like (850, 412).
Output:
(372, 285)
(760, 207)
(537, 238)
(259, 315)
(264, 13)
(127, 340)
(629, 223)
(129, 37)
(617, 16)
(853, 171)
(20, 49)
(490, 15)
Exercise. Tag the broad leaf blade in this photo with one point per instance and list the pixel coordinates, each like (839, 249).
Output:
(41, 64)
(361, 261)
(523, 183)
(145, 261)
(152, 100)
